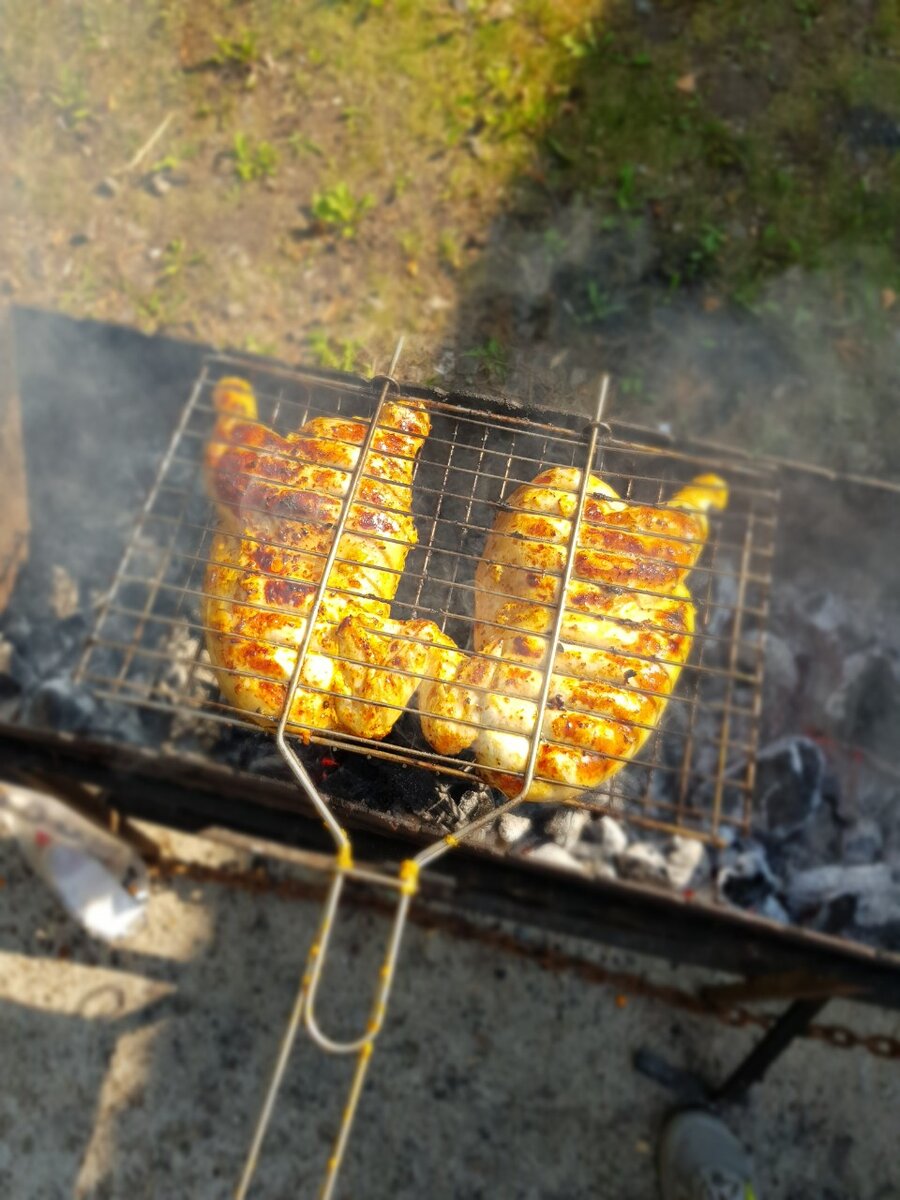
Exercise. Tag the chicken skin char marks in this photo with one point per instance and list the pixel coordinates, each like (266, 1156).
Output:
(279, 498)
(626, 633)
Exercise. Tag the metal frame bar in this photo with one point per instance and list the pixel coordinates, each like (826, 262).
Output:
(406, 880)
(161, 595)
(154, 593)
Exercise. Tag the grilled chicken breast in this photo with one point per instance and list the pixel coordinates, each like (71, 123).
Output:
(626, 633)
(278, 499)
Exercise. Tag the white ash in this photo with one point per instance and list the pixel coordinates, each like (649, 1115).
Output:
(644, 862)
(566, 826)
(555, 856)
(468, 805)
(820, 885)
(512, 828)
(610, 836)
(687, 863)
(781, 672)
(64, 595)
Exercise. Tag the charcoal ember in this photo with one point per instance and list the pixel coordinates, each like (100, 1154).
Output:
(862, 842)
(43, 646)
(720, 614)
(566, 826)
(868, 698)
(512, 827)
(789, 781)
(61, 705)
(687, 863)
(744, 877)
(774, 910)
(825, 614)
(644, 862)
(880, 909)
(473, 803)
(16, 675)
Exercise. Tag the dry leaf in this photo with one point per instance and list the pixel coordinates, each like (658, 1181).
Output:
(888, 298)
(412, 268)
(712, 303)
(687, 83)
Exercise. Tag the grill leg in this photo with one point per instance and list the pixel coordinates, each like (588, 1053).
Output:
(792, 1022)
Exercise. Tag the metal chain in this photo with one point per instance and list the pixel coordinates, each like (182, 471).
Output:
(626, 983)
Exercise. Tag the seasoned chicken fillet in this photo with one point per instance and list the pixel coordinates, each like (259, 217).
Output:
(626, 633)
(278, 499)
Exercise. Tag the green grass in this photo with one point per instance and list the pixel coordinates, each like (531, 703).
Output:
(408, 129)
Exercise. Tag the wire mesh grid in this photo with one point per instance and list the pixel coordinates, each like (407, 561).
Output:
(694, 775)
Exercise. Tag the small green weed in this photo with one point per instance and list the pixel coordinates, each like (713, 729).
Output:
(337, 208)
(702, 256)
(600, 305)
(583, 42)
(264, 346)
(70, 97)
(340, 354)
(449, 251)
(253, 160)
(176, 258)
(301, 145)
(240, 53)
(492, 356)
(625, 188)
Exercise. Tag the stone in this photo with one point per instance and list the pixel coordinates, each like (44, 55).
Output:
(644, 862)
(862, 842)
(687, 863)
(512, 828)
(566, 826)
(790, 773)
(158, 185)
(107, 188)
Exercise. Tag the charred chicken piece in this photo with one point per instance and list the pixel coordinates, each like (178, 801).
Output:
(626, 633)
(279, 498)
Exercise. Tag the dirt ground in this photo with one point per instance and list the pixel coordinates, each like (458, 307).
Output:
(703, 197)
(137, 1071)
